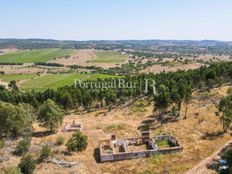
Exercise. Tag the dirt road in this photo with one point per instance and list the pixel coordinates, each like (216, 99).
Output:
(201, 167)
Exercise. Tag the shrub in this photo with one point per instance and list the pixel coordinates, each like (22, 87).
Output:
(139, 106)
(77, 143)
(23, 146)
(12, 171)
(145, 172)
(2, 142)
(114, 127)
(44, 153)
(175, 111)
(59, 141)
(229, 91)
(27, 164)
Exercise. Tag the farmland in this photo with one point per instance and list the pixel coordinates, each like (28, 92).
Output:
(16, 77)
(190, 114)
(58, 80)
(109, 57)
(38, 55)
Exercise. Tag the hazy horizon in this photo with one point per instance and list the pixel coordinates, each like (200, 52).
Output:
(121, 39)
(84, 20)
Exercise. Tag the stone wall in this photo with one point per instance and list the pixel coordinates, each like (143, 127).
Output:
(142, 154)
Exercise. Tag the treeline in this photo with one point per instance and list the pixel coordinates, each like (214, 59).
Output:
(86, 67)
(140, 53)
(225, 110)
(174, 83)
(165, 55)
(180, 46)
(150, 54)
(16, 120)
(8, 63)
(49, 64)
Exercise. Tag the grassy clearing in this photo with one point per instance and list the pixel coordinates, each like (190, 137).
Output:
(55, 81)
(163, 144)
(139, 106)
(16, 77)
(38, 55)
(114, 127)
(109, 57)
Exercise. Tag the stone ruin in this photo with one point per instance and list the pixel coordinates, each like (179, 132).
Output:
(140, 147)
(69, 127)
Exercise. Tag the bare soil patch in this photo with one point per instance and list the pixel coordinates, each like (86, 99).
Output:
(83, 57)
(160, 68)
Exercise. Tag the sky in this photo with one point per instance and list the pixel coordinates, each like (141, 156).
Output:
(116, 19)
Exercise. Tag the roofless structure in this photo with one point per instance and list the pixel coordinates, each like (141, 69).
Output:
(140, 147)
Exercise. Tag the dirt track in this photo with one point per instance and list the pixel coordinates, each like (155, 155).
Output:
(201, 167)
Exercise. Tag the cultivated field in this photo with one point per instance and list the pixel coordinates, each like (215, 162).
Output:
(7, 50)
(38, 55)
(91, 57)
(109, 57)
(31, 69)
(16, 77)
(81, 57)
(58, 80)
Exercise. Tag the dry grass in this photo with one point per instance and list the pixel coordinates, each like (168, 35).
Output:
(114, 127)
(84, 57)
(160, 68)
(200, 135)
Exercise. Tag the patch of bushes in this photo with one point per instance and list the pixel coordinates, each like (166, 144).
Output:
(44, 153)
(23, 146)
(8, 63)
(49, 64)
(27, 164)
(77, 143)
(12, 171)
(229, 91)
(146, 172)
(114, 127)
(2, 142)
(139, 106)
(59, 141)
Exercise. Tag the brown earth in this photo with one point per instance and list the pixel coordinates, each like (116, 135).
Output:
(7, 50)
(28, 68)
(82, 58)
(160, 68)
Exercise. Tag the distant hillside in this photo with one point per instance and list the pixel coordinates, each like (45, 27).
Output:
(145, 46)
(48, 43)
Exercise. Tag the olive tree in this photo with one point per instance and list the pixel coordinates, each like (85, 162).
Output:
(77, 143)
(14, 120)
(50, 115)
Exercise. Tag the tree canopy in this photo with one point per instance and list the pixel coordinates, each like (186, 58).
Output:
(50, 115)
(77, 143)
(14, 120)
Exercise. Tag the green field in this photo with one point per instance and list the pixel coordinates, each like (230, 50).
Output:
(109, 57)
(59, 80)
(38, 55)
(9, 77)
